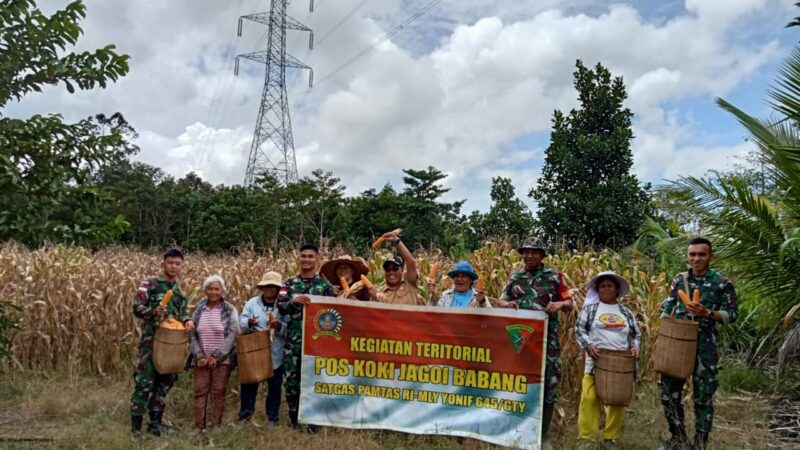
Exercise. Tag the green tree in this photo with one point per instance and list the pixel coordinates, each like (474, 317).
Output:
(369, 214)
(757, 232)
(46, 161)
(508, 215)
(586, 193)
(229, 219)
(427, 220)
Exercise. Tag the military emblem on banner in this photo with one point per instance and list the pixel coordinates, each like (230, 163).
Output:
(520, 335)
(328, 322)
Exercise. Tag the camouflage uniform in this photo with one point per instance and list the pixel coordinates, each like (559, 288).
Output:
(151, 388)
(717, 294)
(294, 333)
(534, 290)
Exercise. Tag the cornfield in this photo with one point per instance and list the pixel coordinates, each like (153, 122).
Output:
(77, 313)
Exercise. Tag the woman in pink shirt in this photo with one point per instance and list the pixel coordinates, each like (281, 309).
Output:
(212, 351)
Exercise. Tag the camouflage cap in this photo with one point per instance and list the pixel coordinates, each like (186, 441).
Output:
(531, 243)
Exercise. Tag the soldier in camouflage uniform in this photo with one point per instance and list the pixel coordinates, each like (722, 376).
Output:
(151, 388)
(717, 304)
(292, 299)
(541, 288)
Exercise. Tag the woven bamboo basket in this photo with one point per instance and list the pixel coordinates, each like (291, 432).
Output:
(170, 350)
(676, 348)
(254, 353)
(613, 377)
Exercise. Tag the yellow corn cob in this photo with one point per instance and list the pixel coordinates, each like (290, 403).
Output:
(684, 297)
(479, 285)
(434, 271)
(345, 286)
(696, 296)
(166, 298)
(366, 282)
(172, 324)
(380, 240)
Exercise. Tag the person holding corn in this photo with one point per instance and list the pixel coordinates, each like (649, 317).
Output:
(463, 294)
(261, 313)
(150, 387)
(347, 275)
(399, 286)
(712, 301)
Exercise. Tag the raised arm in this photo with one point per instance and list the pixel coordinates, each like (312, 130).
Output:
(412, 276)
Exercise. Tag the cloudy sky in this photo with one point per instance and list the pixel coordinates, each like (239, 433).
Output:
(469, 87)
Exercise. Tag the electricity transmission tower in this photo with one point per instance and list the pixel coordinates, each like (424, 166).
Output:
(272, 150)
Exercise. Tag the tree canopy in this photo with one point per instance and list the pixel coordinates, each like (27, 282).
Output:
(45, 160)
(587, 193)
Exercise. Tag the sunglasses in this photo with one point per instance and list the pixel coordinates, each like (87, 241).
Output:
(392, 268)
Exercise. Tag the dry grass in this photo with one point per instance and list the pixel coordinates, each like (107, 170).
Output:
(92, 413)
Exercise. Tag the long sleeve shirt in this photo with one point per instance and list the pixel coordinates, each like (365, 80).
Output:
(716, 294)
(257, 307)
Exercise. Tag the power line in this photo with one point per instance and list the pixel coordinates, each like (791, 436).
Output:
(380, 41)
(341, 22)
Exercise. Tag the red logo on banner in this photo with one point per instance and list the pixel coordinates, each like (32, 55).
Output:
(328, 322)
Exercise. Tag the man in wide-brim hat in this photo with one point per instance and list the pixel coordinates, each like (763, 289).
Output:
(350, 270)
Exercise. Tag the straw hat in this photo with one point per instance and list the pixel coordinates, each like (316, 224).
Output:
(328, 269)
(593, 297)
(270, 278)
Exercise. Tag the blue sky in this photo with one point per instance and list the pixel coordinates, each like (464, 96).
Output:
(469, 88)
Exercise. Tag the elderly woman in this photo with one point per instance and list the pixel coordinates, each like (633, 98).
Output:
(350, 270)
(212, 352)
(462, 294)
(603, 324)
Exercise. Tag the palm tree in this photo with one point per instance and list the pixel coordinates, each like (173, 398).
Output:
(757, 231)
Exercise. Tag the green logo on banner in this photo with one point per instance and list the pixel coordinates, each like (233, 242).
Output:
(519, 335)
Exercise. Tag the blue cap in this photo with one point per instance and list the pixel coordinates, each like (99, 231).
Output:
(463, 267)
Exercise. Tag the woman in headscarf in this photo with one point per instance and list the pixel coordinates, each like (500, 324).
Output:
(604, 324)
(463, 294)
(212, 353)
(344, 273)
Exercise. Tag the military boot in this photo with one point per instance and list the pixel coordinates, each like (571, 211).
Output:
(700, 441)
(547, 416)
(136, 425)
(677, 440)
(156, 426)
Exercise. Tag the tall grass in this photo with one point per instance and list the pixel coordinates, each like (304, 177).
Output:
(77, 313)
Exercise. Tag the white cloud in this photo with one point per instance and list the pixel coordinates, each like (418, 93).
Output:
(453, 90)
